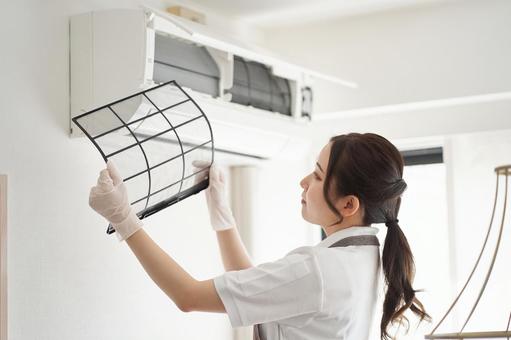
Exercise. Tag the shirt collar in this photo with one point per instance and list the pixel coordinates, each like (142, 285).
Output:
(343, 233)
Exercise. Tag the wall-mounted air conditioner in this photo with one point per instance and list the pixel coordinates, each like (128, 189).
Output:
(259, 107)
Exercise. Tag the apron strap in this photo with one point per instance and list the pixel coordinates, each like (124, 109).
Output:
(360, 240)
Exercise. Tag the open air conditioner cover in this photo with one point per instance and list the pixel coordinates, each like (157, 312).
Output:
(192, 66)
(153, 137)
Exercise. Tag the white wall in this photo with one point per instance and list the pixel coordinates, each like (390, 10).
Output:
(67, 279)
(442, 50)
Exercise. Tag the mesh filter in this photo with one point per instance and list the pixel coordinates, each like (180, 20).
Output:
(153, 137)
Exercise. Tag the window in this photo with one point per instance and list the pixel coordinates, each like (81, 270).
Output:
(423, 219)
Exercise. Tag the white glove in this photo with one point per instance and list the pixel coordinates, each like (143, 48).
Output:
(220, 213)
(109, 198)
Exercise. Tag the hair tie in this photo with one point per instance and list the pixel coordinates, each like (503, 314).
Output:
(392, 223)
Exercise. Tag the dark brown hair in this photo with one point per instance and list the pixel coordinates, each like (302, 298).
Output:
(370, 167)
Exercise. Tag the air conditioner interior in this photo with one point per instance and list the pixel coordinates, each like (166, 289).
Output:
(307, 101)
(255, 85)
(190, 65)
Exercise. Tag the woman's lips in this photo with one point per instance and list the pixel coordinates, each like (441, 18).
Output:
(303, 202)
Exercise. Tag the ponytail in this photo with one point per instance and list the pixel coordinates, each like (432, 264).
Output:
(399, 270)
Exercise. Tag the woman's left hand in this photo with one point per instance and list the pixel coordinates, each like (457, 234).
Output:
(109, 198)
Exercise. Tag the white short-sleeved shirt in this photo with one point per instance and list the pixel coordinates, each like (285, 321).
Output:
(313, 292)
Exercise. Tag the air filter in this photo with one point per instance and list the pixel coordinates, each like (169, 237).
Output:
(153, 137)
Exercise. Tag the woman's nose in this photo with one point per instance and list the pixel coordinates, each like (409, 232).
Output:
(303, 182)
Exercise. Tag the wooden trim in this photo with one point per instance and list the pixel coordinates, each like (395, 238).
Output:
(3, 257)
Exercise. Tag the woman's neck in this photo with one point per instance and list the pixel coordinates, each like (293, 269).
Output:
(328, 230)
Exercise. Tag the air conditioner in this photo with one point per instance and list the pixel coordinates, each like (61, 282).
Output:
(259, 107)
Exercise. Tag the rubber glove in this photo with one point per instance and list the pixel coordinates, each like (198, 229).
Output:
(220, 213)
(109, 198)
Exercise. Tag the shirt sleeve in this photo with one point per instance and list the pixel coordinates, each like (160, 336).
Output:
(291, 286)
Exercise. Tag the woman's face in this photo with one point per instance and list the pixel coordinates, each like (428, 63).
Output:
(315, 209)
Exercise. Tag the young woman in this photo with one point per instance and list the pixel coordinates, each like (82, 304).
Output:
(326, 291)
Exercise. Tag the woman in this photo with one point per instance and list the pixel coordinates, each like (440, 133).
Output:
(326, 291)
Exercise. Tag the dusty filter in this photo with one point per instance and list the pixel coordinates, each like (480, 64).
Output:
(153, 137)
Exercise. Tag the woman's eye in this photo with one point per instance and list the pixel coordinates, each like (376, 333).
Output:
(315, 175)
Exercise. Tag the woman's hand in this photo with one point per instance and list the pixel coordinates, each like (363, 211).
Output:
(109, 198)
(220, 213)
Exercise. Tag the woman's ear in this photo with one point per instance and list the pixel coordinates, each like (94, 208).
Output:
(348, 205)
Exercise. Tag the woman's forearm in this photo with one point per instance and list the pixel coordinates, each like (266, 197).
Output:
(162, 269)
(232, 249)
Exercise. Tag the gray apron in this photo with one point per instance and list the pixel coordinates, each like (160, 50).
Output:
(360, 240)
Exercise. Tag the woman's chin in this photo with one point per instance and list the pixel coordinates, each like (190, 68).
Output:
(304, 214)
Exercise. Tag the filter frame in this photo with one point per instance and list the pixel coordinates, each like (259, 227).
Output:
(182, 194)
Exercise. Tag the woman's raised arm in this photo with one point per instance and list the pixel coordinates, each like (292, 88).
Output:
(232, 249)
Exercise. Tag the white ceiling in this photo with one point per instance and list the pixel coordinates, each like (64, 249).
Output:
(270, 13)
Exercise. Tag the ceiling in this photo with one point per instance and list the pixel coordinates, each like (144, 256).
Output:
(270, 13)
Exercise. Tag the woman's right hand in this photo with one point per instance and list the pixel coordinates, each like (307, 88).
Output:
(220, 213)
